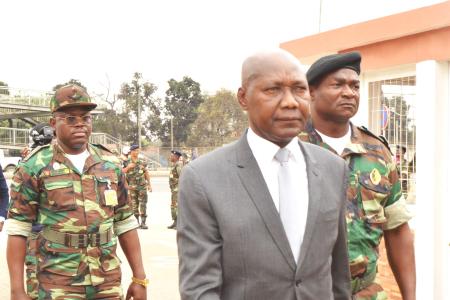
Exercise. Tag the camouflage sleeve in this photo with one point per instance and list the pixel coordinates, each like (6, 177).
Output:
(19, 228)
(123, 226)
(24, 198)
(123, 209)
(395, 207)
(397, 214)
(396, 189)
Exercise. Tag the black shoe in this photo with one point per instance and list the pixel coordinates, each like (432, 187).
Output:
(173, 226)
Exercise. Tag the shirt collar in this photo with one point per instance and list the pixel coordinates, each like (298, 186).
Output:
(265, 151)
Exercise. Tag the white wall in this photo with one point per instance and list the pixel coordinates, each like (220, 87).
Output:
(432, 232)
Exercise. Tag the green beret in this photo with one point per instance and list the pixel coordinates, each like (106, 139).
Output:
(331, 63)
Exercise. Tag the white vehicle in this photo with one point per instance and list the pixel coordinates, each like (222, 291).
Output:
(8, 163)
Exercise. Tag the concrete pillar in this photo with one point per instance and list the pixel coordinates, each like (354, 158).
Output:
(433, 181)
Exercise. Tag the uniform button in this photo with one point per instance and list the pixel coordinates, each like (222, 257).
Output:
(298, 283)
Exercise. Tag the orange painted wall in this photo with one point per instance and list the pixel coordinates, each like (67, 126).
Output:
(403, 38)
(428, 45)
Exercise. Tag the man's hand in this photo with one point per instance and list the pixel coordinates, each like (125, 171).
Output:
(136, 292)
(131, 165)
(149, 188)
(3, 222)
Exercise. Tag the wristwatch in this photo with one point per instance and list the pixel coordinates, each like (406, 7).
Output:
(143, 282)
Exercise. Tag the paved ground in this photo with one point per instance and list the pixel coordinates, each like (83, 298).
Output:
(158, 248)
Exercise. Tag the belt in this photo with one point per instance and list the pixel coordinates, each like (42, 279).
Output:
(78, 240)
(359, 283)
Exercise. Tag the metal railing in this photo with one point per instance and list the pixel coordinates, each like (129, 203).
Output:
(15, 138)
(107, 140)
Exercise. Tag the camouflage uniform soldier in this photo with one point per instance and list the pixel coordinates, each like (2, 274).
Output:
(174, 176)
(375, 201)
(138, 180)
(78, 193)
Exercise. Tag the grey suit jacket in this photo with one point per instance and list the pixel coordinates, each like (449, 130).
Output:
(231, 241)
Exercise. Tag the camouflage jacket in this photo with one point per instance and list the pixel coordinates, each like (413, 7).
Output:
(174, 175)
(136, 176)
(47, 189)
(375, 201)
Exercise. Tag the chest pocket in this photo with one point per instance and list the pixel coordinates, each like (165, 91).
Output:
(374, 190)
(106, 186)
(59, 189)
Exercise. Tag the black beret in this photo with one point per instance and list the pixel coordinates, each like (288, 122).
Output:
(176, 152)
(134, 147)
(330, 63)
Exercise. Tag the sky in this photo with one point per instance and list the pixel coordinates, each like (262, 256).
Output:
(102, 43)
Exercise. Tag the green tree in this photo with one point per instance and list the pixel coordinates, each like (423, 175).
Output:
(220, 120)
(4, 88)
(143, 92)
(71, 81)
(182, 100)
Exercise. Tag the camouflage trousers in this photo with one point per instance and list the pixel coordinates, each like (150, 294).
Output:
(139, 200)
(372, 292)
(174, 205)
(109, 290)
(31, 265)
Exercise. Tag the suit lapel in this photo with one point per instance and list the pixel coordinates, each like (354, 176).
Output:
(253, 181)
(314, 203)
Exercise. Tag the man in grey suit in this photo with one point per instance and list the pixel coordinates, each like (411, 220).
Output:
(243, 232)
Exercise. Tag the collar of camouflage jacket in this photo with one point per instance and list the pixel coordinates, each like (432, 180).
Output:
(93, 159)
(359, 144)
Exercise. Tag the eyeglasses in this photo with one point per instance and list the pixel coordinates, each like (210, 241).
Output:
(73, 120)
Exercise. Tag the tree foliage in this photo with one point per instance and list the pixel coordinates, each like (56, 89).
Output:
(181, 103)
(4, 88)
(71, 81)
(220, 120)
(123, 124)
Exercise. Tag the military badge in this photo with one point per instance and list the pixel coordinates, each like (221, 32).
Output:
(375, 176)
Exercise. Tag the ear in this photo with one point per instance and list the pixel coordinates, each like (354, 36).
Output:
(242, 98)
(312, 93)
(53, 123)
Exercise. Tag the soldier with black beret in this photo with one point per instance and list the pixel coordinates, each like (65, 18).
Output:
(138, 179)
(375, 202)
(174, 176)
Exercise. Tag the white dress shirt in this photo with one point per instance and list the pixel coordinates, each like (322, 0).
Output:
(264, 152)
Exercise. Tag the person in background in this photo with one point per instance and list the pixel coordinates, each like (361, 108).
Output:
(174, 176)
(4, 198)
(40, 135)
(138, 179)
(375, 204)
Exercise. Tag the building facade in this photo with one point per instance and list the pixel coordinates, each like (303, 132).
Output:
(405, 96)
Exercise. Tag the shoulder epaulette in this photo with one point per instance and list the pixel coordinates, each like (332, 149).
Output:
(381, 138)
(35, 150)
(102, 147)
